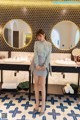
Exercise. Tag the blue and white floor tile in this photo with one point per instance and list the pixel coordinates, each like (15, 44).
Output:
(18, 107)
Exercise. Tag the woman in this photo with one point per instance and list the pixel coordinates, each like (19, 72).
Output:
(42, 51)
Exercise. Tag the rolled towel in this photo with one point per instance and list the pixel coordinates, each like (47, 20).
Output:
(66, 89)
(71, 90)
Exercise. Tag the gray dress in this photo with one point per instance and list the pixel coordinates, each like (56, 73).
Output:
(42, 50)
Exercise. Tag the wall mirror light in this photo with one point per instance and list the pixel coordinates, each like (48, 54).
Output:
(17, 33)
(65, 35)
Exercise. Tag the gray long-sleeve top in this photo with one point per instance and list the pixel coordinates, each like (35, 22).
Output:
(43, 48)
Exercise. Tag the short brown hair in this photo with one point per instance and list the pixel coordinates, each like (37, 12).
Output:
(40, 31)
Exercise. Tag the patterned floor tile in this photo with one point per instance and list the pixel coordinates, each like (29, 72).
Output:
(16, 106)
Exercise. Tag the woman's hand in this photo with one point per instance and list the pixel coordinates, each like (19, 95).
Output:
(43, 68)
(38, 67)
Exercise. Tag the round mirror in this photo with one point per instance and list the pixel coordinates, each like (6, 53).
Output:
(65, 35)
(17, 33)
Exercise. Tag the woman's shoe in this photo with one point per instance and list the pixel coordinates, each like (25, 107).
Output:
(35, 110)
(41, 113)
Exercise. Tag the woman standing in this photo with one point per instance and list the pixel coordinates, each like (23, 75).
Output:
(42, 51)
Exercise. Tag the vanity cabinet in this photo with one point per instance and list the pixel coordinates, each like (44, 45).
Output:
(62, 78)
(58, 78)
(13, 78)
(5, 55)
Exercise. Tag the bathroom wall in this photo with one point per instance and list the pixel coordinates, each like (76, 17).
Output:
(38, 17)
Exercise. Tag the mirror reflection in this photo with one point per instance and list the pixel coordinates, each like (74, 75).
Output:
(65, 35)
(17, 33)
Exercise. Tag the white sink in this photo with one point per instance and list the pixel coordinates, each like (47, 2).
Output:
(15, 60)
(65, 62)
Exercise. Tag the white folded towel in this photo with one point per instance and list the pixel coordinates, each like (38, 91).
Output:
(9, 85)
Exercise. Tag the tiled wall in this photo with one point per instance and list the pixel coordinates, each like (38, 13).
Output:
(44, 18)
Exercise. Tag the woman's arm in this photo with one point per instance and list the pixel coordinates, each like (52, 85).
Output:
(35, 54)
(36, 57)
(47, 61)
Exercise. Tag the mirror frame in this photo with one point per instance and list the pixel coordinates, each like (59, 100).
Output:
(61, 22)
(7, 42)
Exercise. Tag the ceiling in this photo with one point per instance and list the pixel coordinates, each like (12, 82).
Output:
(41, 3)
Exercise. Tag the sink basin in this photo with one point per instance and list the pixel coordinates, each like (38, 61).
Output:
(15, 60)
(67, 62)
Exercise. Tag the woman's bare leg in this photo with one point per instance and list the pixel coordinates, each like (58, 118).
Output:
(42, 83)
(36, 86)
